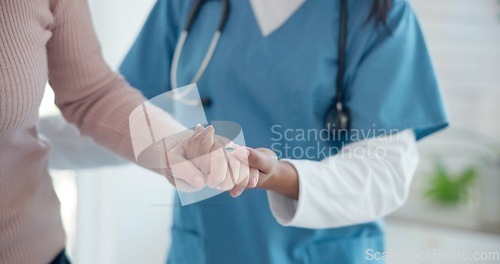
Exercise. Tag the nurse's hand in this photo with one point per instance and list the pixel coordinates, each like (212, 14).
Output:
(274, 175)
(247, 177)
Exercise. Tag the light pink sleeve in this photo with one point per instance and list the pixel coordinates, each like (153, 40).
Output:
(88, 92)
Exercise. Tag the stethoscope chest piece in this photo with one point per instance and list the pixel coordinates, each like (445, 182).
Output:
(337, 120)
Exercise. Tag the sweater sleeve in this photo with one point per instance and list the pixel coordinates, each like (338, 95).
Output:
(90, 95)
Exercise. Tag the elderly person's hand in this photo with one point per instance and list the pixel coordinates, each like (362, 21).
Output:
(229, 167)
(192, 160)
(216, 158)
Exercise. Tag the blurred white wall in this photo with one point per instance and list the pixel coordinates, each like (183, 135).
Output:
(464, 41)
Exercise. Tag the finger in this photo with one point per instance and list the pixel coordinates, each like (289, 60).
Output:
(253, 178)
(205, 131)
(243, 181)
(232, 174)
(207, 141)
(244, 172)
(188, 173)
(218, 168)
(197, 148)
(197, 129)
(203, 163)
(183, 186)
(184, 169)
(234, 167)
(261, 159)
(242, 153)
(187, 141)
(202, 142)
(227, 184)
(205, 147)
(239, 188)
(267, 152)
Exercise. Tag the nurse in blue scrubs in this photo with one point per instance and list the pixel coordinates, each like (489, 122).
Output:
(274, 73)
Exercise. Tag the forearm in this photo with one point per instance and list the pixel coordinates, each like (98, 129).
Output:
(90, 95)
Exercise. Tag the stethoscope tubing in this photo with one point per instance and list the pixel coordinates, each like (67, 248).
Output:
(208, 55)
(175, 66)
(341, 53)
(342, 112)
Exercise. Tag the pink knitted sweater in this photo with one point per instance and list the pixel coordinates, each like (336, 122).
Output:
(50, 40)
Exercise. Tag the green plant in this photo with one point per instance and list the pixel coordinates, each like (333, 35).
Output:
(447, 189)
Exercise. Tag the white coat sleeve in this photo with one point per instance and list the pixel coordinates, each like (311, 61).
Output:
(366, 181)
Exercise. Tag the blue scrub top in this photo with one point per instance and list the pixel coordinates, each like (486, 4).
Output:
(285, 82)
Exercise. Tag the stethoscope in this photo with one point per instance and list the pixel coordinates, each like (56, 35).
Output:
(337, 118)
(208, 55)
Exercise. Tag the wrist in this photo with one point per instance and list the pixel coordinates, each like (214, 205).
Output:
(284, 180)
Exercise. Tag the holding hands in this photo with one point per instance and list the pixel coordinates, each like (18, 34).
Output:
(206, 159)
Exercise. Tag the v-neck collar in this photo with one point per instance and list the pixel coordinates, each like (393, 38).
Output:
(272, 14)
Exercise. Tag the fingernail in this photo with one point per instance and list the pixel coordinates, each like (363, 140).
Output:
(210, 185)
(198, 129)
(198, 181)
(254, 182)
(236, 194)
(243, 153)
